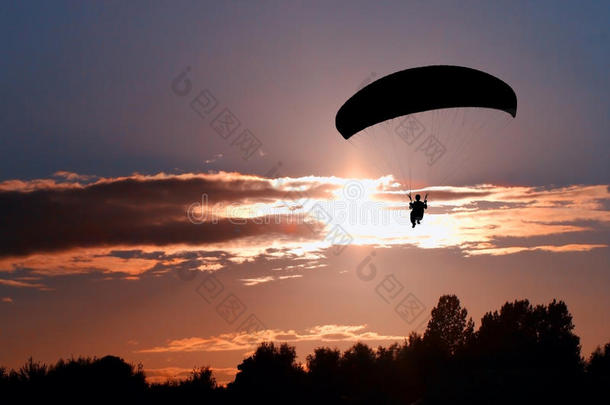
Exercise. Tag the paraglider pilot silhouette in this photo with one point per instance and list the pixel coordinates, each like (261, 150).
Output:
(417, 208)
(432, 88)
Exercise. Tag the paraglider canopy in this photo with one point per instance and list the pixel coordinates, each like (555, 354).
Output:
(422, 89)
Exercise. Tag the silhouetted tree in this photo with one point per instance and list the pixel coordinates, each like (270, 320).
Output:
(599, 362)
(519, 354)
(523, 335)
(449, 329)
(323, 372)
(270, 374)
(358, 370)
(413, 368)
(527, 353)
(598, 374)
(32, 372)
(107, 378)
(201, 379)
(387, 376)
(447, 333)
(200, 384)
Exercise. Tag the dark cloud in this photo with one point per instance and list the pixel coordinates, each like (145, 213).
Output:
(604, 203)
(493, 205)
(135, 211)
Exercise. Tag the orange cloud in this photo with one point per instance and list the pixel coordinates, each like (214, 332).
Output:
(245, 341)
(24, 284)
(548, 248)
(136, 224)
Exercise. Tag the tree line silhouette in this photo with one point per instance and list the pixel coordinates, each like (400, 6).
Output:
(519, 354)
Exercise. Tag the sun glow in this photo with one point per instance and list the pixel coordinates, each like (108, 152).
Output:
(300, 219)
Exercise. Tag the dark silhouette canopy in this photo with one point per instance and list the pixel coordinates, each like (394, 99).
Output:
(421, 89)
(522, 353)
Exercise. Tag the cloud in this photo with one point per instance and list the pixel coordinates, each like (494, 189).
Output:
(75, 177)
(43, 216)
(473, 220)
(183, 260)
(8, 300)
(77, 261)
(245, 341)
(215, 158)
(24, 284)
(291, 276)
(255, 281)
(249, 282)
(138, 224)
(497, 251)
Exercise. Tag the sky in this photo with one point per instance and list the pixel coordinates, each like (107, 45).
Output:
(135, 223)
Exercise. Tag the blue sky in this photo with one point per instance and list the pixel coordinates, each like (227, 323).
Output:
(86, 86)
